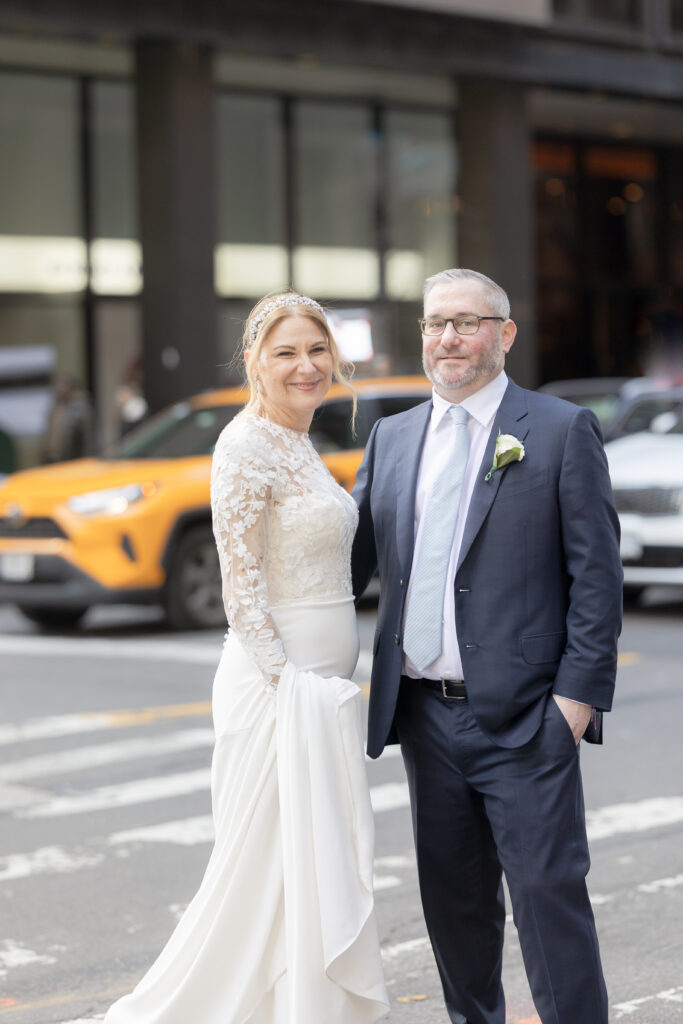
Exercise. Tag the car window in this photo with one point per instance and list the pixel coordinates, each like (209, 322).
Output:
(331, 429)
(642, 414)
(604, 406)
(389, 405)
(669, 422)
(179, 432)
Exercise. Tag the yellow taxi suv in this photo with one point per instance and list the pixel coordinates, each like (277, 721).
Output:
(135, 526)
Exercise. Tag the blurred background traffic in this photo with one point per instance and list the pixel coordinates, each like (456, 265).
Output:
(163, 167)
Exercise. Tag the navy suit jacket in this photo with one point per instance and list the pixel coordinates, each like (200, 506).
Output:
(538, 587)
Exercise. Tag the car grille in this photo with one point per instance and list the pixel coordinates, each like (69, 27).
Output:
(38, 526)
(658, 558)
(649, 501)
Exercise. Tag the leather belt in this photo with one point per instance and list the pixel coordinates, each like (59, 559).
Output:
(455, 689)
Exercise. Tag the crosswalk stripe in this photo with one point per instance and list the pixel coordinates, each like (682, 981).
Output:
(94, 721)
(184, 651)
(634, 817)
(189, 652)
(186, 832)
(80, 758)
(47, 860)
(387, 797)
(55, 860)
(107, 798)
(601, 823)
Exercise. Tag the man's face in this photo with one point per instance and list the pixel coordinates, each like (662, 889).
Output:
(459, 364)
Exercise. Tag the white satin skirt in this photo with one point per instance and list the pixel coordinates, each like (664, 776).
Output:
(282, 929)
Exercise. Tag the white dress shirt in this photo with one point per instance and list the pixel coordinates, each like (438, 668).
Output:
(481, 407)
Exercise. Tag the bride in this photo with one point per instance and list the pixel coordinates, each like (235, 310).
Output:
(282, 929)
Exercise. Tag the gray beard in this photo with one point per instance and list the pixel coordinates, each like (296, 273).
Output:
(486, 369)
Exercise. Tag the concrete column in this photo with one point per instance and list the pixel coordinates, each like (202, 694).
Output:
(175, 115)
(496, 213)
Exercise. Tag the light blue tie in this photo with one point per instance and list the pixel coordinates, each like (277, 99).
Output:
(423, 626)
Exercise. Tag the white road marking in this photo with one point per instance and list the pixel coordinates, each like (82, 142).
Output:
(395, 861)
(635, 817)
(12, 797)
(85, 1020)
(99, 647)
(47, 860)
(385, 882)
(161, 787)
(393, 751)
(187, 832)
(79, 758)
(661, 885)
(54, 726)
(667, 995)
(390, 953)
(14, 955)
(53, 860)
(389, 796)
(599, 901)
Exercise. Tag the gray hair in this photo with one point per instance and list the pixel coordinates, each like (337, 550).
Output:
(496, 297)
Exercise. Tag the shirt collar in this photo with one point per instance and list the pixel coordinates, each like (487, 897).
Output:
(481, 405)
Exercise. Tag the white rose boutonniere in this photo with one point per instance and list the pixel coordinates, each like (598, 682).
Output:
(508, 449)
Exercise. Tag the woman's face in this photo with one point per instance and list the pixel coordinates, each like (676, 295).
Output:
(294, 369)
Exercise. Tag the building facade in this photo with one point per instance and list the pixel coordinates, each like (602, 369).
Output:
(164, 165)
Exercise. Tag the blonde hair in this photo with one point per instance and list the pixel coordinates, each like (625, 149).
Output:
(253, 341)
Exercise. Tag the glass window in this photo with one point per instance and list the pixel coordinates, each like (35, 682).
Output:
(115, 253)
(625, 12)
(421, 200)
(676, 9)
(41, 245)
(335, 255)
(177, 433)
(621, 195)
(118, 366)
(251, 258)
(642, 414)
(674, 215)
(45, 337)
(389, 405)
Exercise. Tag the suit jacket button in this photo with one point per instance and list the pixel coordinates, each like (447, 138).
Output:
(397, 638)
(400, 583)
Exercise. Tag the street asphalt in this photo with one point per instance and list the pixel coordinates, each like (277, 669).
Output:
(105, 737)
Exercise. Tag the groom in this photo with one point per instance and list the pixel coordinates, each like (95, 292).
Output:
(488, 512)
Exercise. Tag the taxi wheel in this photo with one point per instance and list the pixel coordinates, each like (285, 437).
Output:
(193, 596)
(53, 618)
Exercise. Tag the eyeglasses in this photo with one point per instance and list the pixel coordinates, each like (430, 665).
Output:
(466, 323)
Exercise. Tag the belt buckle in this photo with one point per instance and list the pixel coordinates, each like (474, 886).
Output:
(448, 696)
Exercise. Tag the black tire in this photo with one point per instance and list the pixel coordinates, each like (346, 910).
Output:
(53, 618)
(632, 593)
(193, 596)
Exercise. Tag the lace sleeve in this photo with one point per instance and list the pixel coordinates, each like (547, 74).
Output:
(242, 478)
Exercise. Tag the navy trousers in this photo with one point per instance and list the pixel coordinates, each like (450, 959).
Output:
(478, 811)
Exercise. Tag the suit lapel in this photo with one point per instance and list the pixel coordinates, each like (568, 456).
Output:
(508, 420)
(409, 441)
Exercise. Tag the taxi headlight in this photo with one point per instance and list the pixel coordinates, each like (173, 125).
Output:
(111, 502)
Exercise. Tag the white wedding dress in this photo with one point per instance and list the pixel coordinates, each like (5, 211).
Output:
(282, 929)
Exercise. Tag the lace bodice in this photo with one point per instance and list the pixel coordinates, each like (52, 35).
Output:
(283, 526)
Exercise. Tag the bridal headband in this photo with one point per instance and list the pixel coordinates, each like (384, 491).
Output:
(289, 299)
